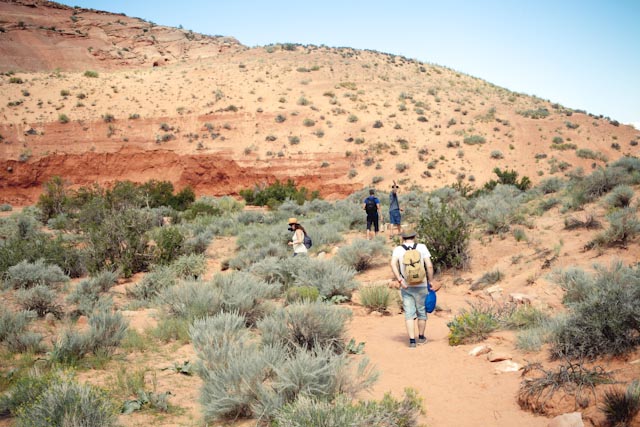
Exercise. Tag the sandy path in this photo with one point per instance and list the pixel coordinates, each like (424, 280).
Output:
(458, 389)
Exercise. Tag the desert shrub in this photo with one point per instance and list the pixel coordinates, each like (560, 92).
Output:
(472, 325)
(120, 241)
(619, 197)
(401, 167)
(306, 412)
(106, 330)
(623, 227)
(24, 391)
(598, 183)
(90, 73)
(497, 209)
(446, 233)
(629, 164)
(169, 244)
(302, 294)
(64, 402)
(238, 291)
(192, 300)
(361, 253)
(573, 379)
(487, 279)
(277, 193)
(508, 177)
(474, 139)
(532, 339)
(589, 222)
(539, 113)
(522, 316)
(585, 153)
(376, 298)
(242, 379)
(496, 154)
(86, 294)
(550, 185)
(172, 328)
(5, 207)
(604, 315)
(277, 270)
(546, 204)
(14, 334)
(306, 325)
(331, 278)
(26, 274)
(189, 266)
(153, 283)
(621, 406)
(69, 348)
(39, 299)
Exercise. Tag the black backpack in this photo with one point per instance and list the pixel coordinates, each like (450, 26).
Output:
(370, 206)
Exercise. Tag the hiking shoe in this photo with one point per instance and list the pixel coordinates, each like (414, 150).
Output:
(422, 340)
(412, 345)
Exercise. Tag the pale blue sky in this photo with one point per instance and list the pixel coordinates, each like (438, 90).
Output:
(582, 54)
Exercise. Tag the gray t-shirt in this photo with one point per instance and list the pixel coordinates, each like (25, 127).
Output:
(393, 201)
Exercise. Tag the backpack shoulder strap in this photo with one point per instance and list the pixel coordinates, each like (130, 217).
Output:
(415, 245)
(406, 248)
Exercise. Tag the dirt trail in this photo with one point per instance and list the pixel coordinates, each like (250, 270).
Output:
(458, 389)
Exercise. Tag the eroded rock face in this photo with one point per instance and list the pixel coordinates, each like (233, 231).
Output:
(43, 36)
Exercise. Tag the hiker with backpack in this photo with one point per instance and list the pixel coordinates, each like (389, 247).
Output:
(394, 210)
(299, 241)
(371, 206)
(412, 268)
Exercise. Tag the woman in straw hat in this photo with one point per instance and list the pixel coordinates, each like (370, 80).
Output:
(297, 240)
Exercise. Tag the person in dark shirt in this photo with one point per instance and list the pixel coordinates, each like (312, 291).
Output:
(371, 205)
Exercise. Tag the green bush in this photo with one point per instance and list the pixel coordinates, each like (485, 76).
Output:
(5, 207)
(361, 253)
(26, 274)
(487, 279)
(331, 279)
(90, 73)
(106, 330)
(277, 193)
(574, 379)
(40, 299)
(190, 266)
(242, 379)
(24, 391)
(604, 315)
(621, 406)
(193, 300)
(169, 244)
(64, 402)
(619, 197)
(376, 298)
(623, 227)
(585, 153)
(153, 283)
(120, 241)
(474, 139)
(445, 232)
(508, 177)
(307, 325)
(297, 294)
(497, 209)
(86, 294)
(14, 334)
(306, 412)
(472, 325)
(539, 113)
(238, 291)
(550, 185)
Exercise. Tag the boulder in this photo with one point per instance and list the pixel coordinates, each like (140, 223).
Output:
(572, 419)
(481, 349)
(496, 356)
(506, 366)
(519, 298)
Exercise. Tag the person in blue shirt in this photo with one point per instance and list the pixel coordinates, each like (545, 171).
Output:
(371, 205)
(394, 210)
